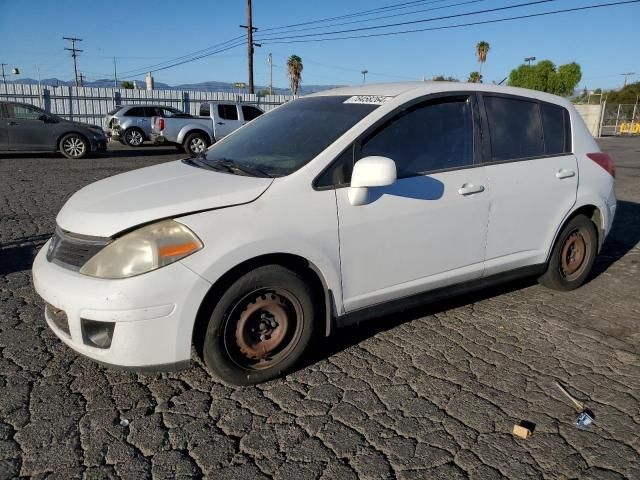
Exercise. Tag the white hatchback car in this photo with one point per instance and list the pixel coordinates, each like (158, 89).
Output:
(338, 206)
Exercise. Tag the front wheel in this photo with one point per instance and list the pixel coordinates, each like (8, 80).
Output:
(74, 146)
(572, 256)
(260, 327)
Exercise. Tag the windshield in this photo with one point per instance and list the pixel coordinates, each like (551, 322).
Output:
(289, 137)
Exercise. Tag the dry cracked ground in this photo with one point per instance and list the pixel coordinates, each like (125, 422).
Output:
(431, 393)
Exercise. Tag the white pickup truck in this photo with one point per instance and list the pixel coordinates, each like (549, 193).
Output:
(195, 134)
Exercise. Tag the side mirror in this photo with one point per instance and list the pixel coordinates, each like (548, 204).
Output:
(44, 118)
(370, 172)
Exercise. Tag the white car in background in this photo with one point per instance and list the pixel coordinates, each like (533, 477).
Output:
(333, 208)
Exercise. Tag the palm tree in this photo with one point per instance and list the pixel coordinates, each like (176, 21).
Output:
(482, 49)
(294, 70)
(475, 77)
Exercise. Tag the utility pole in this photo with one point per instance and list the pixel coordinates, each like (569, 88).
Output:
(529, 60)
(4, 77)
(250, 29)
(74, 53)
(270, 74)
(364, 76)
(626, 75)
(115, 73)
(82, 80)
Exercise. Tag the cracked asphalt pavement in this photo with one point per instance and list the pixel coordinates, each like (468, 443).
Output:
(429, 393)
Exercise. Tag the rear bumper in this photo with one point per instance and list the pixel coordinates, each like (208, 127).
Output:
(158, 138)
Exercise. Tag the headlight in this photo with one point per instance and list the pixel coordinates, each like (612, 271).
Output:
(143, 250)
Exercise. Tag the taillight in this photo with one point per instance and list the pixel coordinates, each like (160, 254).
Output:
(605, 161)
(161, 124)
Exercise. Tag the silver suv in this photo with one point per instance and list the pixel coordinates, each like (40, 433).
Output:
(131, 124)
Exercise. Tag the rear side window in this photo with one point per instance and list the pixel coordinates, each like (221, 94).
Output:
(437, 135)
(135, 112)
(227, 112)
(514, 128)
(249, 112)
(557, 135)
(204, 111)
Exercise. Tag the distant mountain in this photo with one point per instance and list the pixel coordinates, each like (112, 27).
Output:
(211, 86)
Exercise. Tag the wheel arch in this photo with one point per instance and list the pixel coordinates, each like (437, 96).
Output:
(190, 129)
(135, 127)
(310, 272)
(77, 132)
(593, 213)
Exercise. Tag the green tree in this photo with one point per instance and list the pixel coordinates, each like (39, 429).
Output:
(475, 77)
(442, 78)
(482, 50)
(126, 84)
(545, 77)
(628, 94)
(294, 70)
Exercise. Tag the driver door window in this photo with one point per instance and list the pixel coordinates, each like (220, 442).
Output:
(429, 137)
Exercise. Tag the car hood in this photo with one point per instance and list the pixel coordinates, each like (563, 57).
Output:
(109, 206)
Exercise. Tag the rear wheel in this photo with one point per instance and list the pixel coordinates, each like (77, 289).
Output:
(196, 143)
(133, 137)
(572, 256)
(260, 327)
(74, 145)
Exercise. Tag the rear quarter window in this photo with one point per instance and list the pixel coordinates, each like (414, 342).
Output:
(515, 129)
(557, 134)
(135, 112)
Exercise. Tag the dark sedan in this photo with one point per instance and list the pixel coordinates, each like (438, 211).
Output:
(25, 127)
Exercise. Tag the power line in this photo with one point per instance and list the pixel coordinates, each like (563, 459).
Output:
(382, 17)
(445, 27)
(372, 11)
(157, 66)
(190, 59)
(413, 22)
(209, 50)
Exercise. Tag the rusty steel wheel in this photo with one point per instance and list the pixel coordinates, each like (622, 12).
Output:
(263, 327)
(572, 256)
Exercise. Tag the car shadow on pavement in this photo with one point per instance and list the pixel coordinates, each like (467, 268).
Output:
(343, 338)
(18, 255)
(624, 235)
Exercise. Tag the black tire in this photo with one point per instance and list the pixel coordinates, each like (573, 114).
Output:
(196, 143)
(74, 146)
(271, 300)
(133, 137)
(572, 256)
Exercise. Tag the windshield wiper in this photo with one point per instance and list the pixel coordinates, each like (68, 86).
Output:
(234, 167)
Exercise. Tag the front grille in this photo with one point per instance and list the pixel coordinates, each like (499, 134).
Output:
(58, 318)
(73, 251)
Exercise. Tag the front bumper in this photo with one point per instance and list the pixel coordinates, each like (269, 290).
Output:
(153, 313)
(114, 133)
(98, 144)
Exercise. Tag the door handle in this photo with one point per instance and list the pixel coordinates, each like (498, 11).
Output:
(220, 123)
(12, 123)
(470, 189)
(565, 173)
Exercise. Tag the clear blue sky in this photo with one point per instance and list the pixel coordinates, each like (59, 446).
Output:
(141, 32)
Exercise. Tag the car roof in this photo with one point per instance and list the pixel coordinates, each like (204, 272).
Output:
(418, 89)
(148, 105)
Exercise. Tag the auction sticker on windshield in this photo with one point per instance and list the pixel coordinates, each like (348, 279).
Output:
(368, 99)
